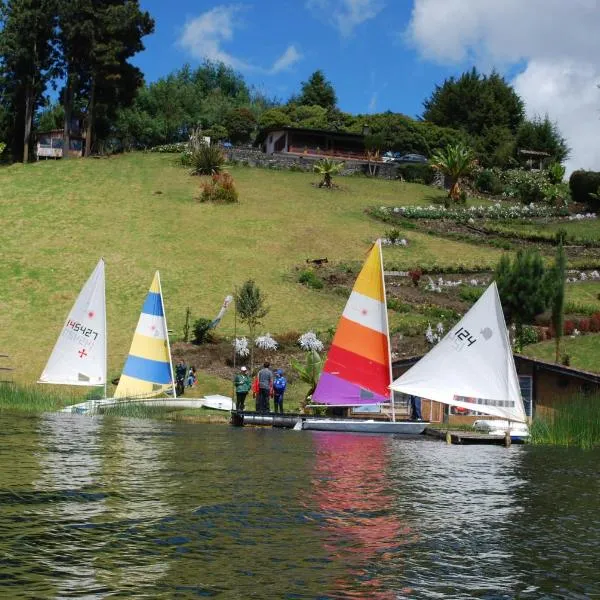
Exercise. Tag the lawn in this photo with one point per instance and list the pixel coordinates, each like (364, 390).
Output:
(583, 297)
(585, 229)
(138, 212)
(583, 351)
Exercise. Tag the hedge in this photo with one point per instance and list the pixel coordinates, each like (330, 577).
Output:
(416, 173)
(582, 184)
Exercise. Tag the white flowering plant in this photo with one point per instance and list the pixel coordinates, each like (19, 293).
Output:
(266, 342)
(241, 346)
(309, 341)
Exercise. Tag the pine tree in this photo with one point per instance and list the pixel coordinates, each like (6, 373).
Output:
(317, 91)
(27, 56)
(556, 282)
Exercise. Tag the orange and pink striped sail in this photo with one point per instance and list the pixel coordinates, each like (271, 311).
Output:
(357, 370)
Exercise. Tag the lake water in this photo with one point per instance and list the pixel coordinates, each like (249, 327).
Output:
(122, 508)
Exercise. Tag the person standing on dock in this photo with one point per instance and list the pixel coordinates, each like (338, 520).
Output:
(415, 409)
(279, 385)
(242, 387)
(265, 387)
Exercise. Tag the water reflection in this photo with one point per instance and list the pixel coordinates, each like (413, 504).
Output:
(362, 531)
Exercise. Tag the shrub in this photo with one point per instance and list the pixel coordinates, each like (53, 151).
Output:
(529, 335)
(202, 331)
(595, 323)
(393, 235)
(556, 172)
(582, 184)
(584, 325)
(569, 327)
(415, 275)
(488, 182)
(310, 279)
(220, 189)
(207, 160)
(416, 173)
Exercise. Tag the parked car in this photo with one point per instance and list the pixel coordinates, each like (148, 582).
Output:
(412, 158)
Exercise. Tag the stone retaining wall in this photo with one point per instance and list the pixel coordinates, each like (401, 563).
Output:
(254, 157)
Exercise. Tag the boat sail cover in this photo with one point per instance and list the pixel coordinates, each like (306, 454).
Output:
(79, 355)
(472, 367)
(357, 370)
(147, 371)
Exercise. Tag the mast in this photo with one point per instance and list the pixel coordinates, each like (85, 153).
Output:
(387, 328)
(167, 335)
(105, 334)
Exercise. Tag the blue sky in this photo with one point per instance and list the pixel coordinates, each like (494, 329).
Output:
(363, 51)
(389, 54)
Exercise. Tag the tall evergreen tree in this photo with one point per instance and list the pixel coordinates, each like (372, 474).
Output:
(26, 64)
(543, 135)
(557, 296)
(317, 91)
(97, 37)
(523, 288)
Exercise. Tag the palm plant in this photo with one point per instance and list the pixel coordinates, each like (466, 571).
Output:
(207, 160)
(328, 167)
(454, 162)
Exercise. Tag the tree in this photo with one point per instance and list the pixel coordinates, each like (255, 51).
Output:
(454, 162)
(26, 63)
(328, 167)
(317, 91)
(240, 124)
(523, 288)
(310, 371)
(274, 117)
(251, 308)
(556, 281)
(474, 102)
(542, 135)
(97, 37)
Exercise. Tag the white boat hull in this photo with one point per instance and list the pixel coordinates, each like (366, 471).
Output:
(360, 426)
(218, 402)
(518, 431)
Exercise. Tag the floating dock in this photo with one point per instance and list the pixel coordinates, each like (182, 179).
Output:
(470, 437)
(239, 418)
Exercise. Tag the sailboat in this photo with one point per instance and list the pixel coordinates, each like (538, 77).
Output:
(358, 368)
(473, 368)
(148, 370)
(79, 355)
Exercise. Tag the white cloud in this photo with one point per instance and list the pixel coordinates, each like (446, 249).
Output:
(290, 57)
(556, 40)
(346, 15)
(204, 36)
(373, 102)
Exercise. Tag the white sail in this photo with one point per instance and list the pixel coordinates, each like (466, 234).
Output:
(472, 367)
(79, 355)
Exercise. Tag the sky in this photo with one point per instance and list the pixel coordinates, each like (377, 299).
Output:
(389, 54)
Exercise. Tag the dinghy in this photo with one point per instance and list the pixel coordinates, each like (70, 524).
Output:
(79, 355)
(473, 368)
(358, 368)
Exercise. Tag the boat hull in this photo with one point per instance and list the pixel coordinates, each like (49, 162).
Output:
(359, 426)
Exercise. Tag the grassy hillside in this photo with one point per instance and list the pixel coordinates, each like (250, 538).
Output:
(138, 212)
(583, 351)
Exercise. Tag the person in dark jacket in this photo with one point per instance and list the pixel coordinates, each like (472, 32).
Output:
(279, 385)
(265, 387)
(242, 387)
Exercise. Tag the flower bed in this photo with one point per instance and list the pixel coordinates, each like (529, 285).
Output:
(496, 211)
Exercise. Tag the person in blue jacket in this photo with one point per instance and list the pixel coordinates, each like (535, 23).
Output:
(279, 385)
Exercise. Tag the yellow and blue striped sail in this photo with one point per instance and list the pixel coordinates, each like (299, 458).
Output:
(147, 371)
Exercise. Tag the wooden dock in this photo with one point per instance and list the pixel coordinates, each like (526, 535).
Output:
(469, 437)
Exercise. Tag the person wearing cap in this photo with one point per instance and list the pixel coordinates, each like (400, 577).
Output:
(242, 387)
(279, 385)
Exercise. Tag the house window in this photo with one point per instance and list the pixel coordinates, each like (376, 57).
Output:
(526, 385)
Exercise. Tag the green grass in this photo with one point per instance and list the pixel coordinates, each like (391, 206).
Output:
(586, 229)
(58, 218)
(583, 351)
(583, 297)
(576, 424)
(31, 399)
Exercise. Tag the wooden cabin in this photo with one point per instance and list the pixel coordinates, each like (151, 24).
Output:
(312, 142)
(50, 144)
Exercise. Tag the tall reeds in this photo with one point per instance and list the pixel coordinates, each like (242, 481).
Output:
(576, 423)
(30, 399)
